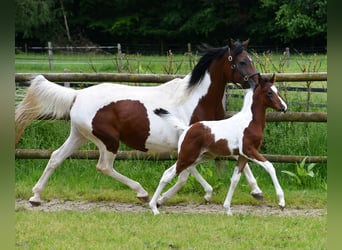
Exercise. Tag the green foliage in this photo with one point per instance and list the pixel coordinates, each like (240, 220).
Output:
(267, 22)
(30, 15)
(303, 172)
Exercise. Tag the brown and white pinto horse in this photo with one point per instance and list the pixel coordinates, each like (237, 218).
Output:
(239, 135)
(109, 113)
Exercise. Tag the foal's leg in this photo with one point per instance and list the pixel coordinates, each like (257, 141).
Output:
(256, 191)
(168, 175)
(105, 165)
(182, 178)
(234, 181)
(268, 166)
(74, 141)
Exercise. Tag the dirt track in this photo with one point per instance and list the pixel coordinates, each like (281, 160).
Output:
(257, 210)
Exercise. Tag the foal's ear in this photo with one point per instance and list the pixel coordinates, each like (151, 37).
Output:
(245, 43)
(260, 79)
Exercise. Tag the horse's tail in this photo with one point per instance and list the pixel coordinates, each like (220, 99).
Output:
(43, 99)
(175, 121)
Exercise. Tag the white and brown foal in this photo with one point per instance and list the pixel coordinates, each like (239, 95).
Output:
(239, 135)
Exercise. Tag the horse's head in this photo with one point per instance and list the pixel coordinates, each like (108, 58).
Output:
(241, 67)
(267, 93)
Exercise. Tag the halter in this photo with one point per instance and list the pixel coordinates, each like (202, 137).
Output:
(234, 67)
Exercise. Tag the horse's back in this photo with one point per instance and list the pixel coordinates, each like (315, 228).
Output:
(125, 113)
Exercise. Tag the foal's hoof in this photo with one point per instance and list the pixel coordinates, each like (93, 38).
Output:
(258, 196)
(144, 199)
(35, 203)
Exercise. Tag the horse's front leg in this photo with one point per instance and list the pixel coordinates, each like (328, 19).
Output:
(268, 166)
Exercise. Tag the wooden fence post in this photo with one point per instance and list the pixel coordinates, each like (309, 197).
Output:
(119, 58)
(50, 55)
(67, 84)
(190, 56)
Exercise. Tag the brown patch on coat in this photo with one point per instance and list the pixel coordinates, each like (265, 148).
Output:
(197, 138)
(125, 121)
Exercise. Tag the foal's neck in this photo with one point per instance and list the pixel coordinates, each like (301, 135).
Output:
(253, 105)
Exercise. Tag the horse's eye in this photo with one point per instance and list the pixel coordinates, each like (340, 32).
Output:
(269, 93)
(242, 63)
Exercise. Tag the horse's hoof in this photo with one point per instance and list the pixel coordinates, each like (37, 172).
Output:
(144, 199)
(35, 203)
(258, 196)
(281, 207)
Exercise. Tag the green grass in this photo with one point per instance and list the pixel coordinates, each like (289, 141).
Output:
(178, 64)
(110, 230)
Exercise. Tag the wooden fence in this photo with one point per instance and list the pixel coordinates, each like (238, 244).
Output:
(161, 78)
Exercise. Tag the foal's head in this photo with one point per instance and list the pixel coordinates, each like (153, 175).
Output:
(267, 94)
(240, 65)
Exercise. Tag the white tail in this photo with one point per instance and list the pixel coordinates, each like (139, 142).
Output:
(43, 99)
(175, 121)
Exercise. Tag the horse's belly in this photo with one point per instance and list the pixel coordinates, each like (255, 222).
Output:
(159, 143)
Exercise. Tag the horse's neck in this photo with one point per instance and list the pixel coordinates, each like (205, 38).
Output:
(254, 109)
(247, 101)
(208, 95)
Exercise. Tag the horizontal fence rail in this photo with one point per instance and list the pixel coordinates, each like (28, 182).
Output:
(153, 78)
(292, 116)
(138, 155)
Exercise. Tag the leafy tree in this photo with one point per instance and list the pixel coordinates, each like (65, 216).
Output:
(302, 18)
(40, 20)
(267, 22)
(298, 19)
(31, 15)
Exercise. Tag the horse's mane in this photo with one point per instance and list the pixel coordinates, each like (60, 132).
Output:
(210, 55)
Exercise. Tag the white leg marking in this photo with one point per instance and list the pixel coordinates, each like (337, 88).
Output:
(105, 165)
(207, 187)
(182, 178)
(268, 166)
(74, 141)
(168, 175)
(234, 181)
(256, 191)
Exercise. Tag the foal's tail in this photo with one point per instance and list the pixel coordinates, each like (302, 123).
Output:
(43, 99)
(175, 121)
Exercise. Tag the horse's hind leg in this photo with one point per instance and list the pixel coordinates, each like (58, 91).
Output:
(168, 175)
(233, 183)
(256, 191)
(182, 178)
(105, 165)
(74, 141)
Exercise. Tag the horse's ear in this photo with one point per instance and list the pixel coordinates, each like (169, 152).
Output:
(231, 43)
(245, 43)
(272, 78)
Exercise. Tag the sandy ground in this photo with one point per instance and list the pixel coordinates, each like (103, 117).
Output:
(257, 210)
